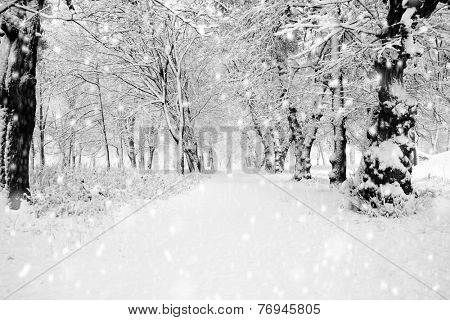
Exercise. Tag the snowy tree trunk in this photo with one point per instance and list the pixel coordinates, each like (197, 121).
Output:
(4, 120)
(305, 160)
(278, 165)
(388, 161)
(387, 164)
(298, 152)
(280, 148)
(191, 150)
(338, 159)
(268, 157)
(297, 139)
(103, 123)
(41, 127)
(18, 58)
(130, 137)
(143, 132)
(120, 150)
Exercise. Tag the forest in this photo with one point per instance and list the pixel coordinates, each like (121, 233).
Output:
(343, 104)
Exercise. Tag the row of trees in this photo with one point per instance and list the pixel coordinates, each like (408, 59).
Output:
(373, 74)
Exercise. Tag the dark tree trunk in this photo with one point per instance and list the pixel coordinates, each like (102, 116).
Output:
(69, 157)
(74, 160)
(307, 146)
(387, 164)
(338, 159)
(297, 140)
(268, 157)
(389, 134)
(120, 151)
(4, 119)
(151, 152)
(18, 58)
(42, 147)
(103, 122)
(191, 150)
(41, 127)
(298, 151)
(31, 157)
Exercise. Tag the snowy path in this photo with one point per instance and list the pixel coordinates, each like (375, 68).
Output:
(241, 237)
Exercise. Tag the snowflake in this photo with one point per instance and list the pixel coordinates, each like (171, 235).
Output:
(25, 270)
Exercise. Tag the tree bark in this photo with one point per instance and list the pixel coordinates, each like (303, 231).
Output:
(151, 152)
(191, 150)
(338, 159)
(42, 123)
(297, 140)
(120, 150)
(308, 142)
(18, 58)
(102, 122)
(387, 164)
(31, 157)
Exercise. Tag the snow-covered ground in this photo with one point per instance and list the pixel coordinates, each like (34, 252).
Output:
(437, 166)
(232, 236)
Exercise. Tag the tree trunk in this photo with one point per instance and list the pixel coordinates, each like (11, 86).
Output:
(281, 148)
(297, 139)
(120, 150)
(143, 132)
(387, 164)
(307, 146)
(31, 157)
(338, 159)
(388, 161)
(151, 152)
(74, 160)
(18, 58)
(4, 119)
(69, 157)
(102, 123)
(191, 150)
(131, 148)
(268, 157)
(41, 126)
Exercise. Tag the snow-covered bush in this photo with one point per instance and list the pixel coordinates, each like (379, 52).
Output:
(389, 200)
(85, 191)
